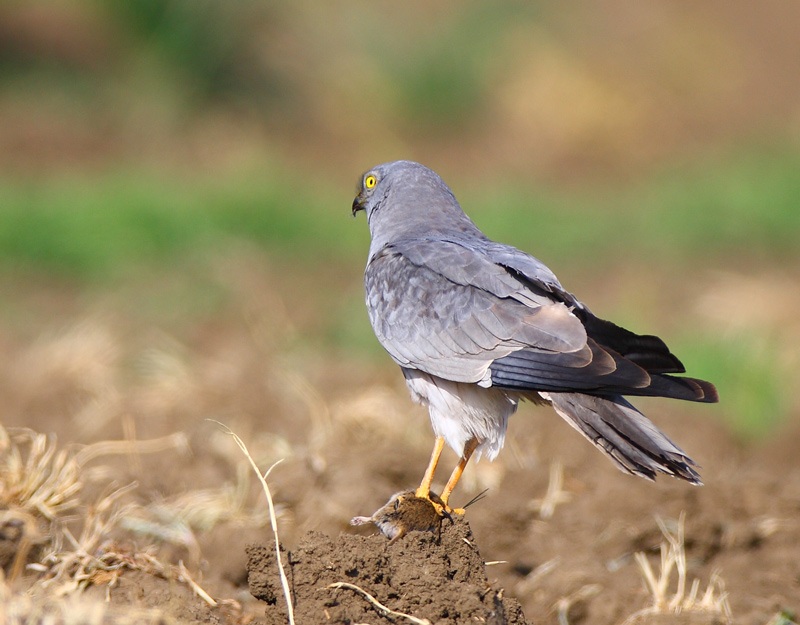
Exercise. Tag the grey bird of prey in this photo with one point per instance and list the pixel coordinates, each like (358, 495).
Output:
(477, 326)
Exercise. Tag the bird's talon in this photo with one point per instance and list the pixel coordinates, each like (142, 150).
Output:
(442, 511)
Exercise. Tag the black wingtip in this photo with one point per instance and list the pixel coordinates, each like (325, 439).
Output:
(675, 387)
(704, 391)
(710, 392)
(646, 350)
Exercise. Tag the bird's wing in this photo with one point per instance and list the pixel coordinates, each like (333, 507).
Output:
(478, 311)
(647, 351)
(445, 309)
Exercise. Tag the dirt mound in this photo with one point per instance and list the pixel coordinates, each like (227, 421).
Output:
(441, 580)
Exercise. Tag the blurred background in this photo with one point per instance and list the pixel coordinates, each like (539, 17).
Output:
(176, 245)
(176, 179)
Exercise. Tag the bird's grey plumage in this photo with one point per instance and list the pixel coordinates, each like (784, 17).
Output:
(443, 318)
(477, 325)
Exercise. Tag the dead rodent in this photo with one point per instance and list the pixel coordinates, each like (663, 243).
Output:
(403, 513)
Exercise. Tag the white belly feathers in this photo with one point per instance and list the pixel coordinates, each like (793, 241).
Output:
(460, 412)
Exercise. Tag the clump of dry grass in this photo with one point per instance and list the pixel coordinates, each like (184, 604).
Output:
(40, 494)
(713, 601)
(26, 608)
(38, 485)
(40, 480)
(37, 477)
(96, 559)
(41, 485)
(74, 563)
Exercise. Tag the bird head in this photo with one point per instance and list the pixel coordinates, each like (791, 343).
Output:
(406, 199)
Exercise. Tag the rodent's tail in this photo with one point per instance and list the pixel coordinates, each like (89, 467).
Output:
(624, 434)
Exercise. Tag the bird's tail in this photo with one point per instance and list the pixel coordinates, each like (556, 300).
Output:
(624, 434)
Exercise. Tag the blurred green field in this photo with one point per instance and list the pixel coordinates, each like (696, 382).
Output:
(176, 246)
(98, 228)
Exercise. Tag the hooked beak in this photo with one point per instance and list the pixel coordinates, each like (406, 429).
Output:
(357, 205)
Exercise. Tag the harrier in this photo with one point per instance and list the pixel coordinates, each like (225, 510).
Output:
(477, 326)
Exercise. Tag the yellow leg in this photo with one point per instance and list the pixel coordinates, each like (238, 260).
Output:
(469, 448)
(424, 489)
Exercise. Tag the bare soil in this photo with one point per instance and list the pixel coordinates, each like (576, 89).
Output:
(441, 579)
(579, 565)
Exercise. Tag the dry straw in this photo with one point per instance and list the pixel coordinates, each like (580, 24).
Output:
(673, 558)
(378, 604)
(40, 490)
(287, 593)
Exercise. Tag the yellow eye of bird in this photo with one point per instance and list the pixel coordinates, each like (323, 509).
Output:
(370, 182)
